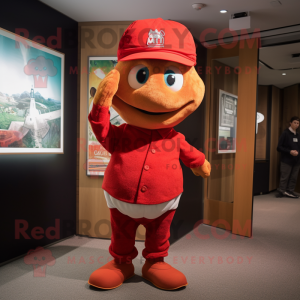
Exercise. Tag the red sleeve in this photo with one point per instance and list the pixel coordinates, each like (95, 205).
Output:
(189, 155)
(107, 134)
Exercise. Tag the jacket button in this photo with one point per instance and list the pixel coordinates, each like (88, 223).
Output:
(144, 188)
(153, 151)
(146, 167)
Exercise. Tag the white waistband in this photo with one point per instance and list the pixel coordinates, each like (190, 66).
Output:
(141, 210)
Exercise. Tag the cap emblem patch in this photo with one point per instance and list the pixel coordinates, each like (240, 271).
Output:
(156, 38)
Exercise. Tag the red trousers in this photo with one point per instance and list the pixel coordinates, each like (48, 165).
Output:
(123, 236)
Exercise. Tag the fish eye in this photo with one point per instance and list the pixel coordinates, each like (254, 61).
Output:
(36, 68)
(138, 76)
(173, 78)
(45, 68)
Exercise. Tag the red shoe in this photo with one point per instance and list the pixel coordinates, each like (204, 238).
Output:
(163, 276)
(111, 275)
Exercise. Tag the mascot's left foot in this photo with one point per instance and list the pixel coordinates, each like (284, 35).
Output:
(163, 276)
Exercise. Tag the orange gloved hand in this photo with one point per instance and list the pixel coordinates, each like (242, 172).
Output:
(107, 89)
(203, 171)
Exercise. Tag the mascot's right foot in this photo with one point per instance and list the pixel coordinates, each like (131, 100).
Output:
(111, 275)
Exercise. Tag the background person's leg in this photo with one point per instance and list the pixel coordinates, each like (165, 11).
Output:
(293, 180)
(285, 172)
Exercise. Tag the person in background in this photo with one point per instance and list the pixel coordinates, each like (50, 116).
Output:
(289, 146)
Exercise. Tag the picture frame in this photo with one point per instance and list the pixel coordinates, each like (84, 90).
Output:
(97, 156)
(31, 96)
(227, 122)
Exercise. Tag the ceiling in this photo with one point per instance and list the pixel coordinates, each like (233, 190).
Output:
(264, 15)
(276, 60)
(280, 57)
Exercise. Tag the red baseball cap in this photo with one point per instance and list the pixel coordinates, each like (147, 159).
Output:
(157, 39)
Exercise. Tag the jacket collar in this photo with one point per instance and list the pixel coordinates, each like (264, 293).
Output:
(292, 130)
(164, 132)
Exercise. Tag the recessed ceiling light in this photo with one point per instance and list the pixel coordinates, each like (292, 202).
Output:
(283, 73)
(223, 11)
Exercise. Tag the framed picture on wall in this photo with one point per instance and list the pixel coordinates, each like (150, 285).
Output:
(227, 122)
(97, 156)
(31, 96)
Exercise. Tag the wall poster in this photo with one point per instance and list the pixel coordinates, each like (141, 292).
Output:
(227, 122)
(97, 156)
(31, 96)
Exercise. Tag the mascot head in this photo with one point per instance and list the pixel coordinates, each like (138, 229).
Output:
(159, 86)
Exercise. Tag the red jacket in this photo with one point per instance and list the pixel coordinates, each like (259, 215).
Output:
(144, 167)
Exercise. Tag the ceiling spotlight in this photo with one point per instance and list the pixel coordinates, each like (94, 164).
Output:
(198, 6)
(284, 74)
(223, 11)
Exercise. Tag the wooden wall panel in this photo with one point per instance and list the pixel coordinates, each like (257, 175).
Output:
(215, 210)
(276, 121)
(221, 181)
(261, 136)
(93, 213)
(291, 103)
(218, 214)
(246, 120)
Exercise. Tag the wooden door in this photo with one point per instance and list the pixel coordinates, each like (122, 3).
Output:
(228, 193)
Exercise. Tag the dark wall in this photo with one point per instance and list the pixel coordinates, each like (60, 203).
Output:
(190, 209)
(261, 177)
(41, 188)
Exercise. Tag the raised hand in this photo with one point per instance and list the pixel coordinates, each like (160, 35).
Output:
(107, 88)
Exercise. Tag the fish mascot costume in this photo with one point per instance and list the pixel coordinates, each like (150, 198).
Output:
(153, 87)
